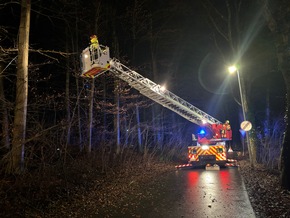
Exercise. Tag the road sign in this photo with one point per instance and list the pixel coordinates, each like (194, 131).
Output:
(246, 125)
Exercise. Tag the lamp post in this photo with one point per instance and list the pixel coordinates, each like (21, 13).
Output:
(233, 69)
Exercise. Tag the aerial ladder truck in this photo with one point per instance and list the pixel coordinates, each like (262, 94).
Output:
(210, 147)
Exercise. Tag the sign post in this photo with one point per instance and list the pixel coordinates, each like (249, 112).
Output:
(245, 126)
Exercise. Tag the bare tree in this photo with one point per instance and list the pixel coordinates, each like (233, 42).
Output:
(92, 91)
(271, 138)
(16, 162)
(277, 15)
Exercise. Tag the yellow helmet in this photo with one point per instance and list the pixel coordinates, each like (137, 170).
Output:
(93, 36)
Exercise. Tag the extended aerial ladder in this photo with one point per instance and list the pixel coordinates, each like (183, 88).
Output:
(99, 62)
(96, 61)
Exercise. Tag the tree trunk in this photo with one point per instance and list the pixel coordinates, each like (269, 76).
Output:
(81, 146)
(126, 129)
(117, 96)
(3, 107)
(67, 94)
(284, 66)
(139, 130)
(16, 163)
(134, 31)
(285, 153)
(104, 133)
(76, 70)
(92, 93)
(250, 136)
(117, 118)
(91, 116)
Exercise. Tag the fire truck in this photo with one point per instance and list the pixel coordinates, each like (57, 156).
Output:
(211, 141)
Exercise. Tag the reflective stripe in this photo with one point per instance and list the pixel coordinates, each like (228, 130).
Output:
(213, 150)
(183, 165)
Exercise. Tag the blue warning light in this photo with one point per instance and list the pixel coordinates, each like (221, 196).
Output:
(202, 132)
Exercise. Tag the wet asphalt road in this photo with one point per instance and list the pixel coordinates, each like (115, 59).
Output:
(197, 193)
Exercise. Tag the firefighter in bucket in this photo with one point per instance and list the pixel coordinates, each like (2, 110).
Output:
(94, 42)
(94, 48)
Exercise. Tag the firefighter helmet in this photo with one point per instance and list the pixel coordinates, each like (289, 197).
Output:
(93, 36)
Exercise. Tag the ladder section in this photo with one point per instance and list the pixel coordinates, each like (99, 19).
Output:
(159, 95)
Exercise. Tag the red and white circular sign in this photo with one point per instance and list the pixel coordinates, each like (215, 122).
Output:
(246, 125)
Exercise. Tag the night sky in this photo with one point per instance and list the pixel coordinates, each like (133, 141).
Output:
(191, 56)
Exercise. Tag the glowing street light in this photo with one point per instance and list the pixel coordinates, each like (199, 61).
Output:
(232, 69)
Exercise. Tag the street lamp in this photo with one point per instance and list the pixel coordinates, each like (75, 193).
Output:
(233, 69)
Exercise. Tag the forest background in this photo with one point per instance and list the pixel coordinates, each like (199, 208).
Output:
(185, 46)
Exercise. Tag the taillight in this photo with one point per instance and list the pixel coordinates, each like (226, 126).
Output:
(192, 157)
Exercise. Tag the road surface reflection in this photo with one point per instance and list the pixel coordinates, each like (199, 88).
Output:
(219, 193)
(192, 193)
